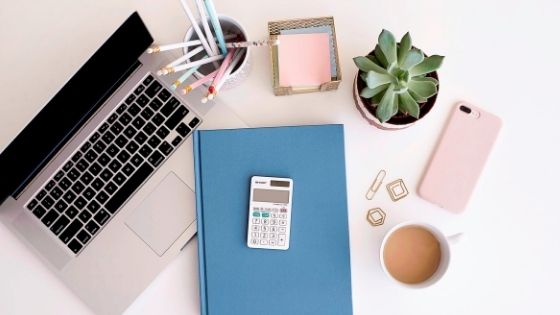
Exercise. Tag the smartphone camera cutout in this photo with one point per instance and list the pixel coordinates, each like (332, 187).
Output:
(467, 110)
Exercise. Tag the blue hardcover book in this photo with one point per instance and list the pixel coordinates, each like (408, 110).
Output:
(313, 275)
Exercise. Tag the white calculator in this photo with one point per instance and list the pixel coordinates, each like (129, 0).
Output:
(270, 213)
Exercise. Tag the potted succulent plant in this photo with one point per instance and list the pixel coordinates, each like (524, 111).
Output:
(397, 83)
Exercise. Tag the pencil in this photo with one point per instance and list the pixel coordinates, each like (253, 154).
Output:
(196, 42)
(189, 65)
(266, 42)
(221, 70)
(185, 76)
(196, 28)
(204, 21)
(216, 25)
(238, 57)
(185, 57)
(200, 82)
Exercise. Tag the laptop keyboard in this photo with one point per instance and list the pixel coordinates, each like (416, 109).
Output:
(93, 184)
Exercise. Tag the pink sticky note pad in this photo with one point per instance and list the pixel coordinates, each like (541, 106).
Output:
(304, 59)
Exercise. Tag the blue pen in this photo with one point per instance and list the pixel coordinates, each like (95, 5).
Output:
(216, 25)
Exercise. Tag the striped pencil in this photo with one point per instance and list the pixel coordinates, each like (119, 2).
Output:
(221, 70)
(189, 65)
(236, 60)
(196, 42)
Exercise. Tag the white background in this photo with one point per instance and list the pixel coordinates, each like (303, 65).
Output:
(500, 55)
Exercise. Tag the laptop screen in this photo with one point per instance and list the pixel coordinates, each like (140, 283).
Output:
(72, 106)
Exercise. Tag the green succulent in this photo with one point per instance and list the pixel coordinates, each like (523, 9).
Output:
(395, 76)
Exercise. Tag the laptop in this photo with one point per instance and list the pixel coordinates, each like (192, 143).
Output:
(100, 183)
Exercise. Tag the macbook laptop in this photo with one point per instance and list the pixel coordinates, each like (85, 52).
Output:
(100, 183)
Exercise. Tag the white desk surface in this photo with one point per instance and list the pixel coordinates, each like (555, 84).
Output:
(501, 55)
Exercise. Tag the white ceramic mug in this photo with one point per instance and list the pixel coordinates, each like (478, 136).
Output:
(229, 26)
(444, 247)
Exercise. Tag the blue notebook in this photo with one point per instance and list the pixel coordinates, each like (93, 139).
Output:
(313, 275)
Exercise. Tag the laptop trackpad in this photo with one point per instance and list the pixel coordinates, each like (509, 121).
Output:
(164, 215)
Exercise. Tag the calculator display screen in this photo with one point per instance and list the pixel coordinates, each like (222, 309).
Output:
(269, 195)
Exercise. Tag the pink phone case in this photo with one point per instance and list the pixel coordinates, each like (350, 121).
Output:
(460, 157)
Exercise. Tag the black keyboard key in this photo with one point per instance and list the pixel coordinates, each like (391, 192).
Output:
(128, 169)
(75, 246)
(158, 119)
(97, 184)
(93, 206)
(149, 129)
(146, 151)
(39, 211)
(176, 141)
(101, 197)
(51, 185)
(83, 237)
(41, 194)
(60, 224)
(164, 95)
(194, 122)
(142, 100)
(121, 109)
(162, 132)
(77, 157)
(129, 187)
(86, 178)
(111, 188)
(116, 128)
(133, 110)
(123, 156)
(112, 118)
(67, 166)
(85, 147)
(156, 158)
(56, 193)
(89, 193)
(183, 129)
(70, 231)
(132, 147)
(170, 106)
(47, 202)
(69, 196)
(32, 204)
(153, 89)
(78, 187)
(130, 99)
(95, 169)
(85, 216)
(139, 89)
(74, 174)
(138, 123)
(119, 178)
(148, 79)
(136, 160)
(147, 113)
(176, 118)
(156, 104)
(129, 132)
(106, 175)
(59, 175)
(49, 218)
(80, 203)
(108, 137)
(141, 137)
(71, 212)
(94, 137)
(101, 217)
(99, 146)
(82, 165)
(103, 128)
(115, 166)
(154, 141)
(121, 141)
(65, 183)
(112, 150)
(60, 206)
(125, 119)
(165, 148)
(92, 227)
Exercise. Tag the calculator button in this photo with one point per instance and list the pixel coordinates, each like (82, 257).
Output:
(265, 214)
(256, 220)
(264, 242)
(256, 214)
(274, 221)
(282, 216)
(265, 221)
(282, 230)
(264, 235)
(282, 222)
(275, 215)
(272, 235)
(254, 234)
(254, 241)
(282, 239)
(265, 228)
(254, 228)
(273, 229)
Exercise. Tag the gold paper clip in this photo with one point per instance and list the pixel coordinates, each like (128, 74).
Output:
(375, 185)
